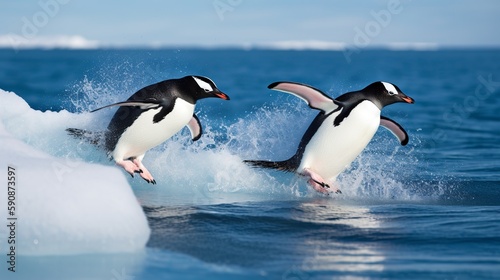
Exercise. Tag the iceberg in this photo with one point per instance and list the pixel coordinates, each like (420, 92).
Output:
(74, 42)
(63, 206)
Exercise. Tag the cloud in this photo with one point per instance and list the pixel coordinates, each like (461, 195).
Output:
(47, 42)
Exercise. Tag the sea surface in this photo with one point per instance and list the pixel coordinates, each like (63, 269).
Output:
(428, 210)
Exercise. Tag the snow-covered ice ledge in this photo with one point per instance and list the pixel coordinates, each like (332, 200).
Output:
(91, 209)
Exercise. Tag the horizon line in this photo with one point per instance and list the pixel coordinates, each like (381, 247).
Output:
(251, 48)
(78, 42)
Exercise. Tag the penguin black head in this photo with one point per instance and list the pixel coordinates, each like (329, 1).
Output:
(384, 93)
(203, 87)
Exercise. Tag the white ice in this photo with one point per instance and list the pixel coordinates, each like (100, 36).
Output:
(63, 206)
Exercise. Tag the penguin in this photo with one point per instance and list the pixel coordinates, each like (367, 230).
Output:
(151, 116)
(339, 133)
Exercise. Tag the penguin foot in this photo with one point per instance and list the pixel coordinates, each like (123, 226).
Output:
(145, 174)
(319, 186)
(133, 167)
(148, 178)
(129, 166)
(335, 188)
(322, 184)
(318, 183)
(151, 181)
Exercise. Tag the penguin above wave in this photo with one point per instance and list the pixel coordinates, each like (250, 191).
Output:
(151, 116)
(339, 133)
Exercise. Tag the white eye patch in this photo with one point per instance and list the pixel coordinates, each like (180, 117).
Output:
(204, 85)
(390, 88)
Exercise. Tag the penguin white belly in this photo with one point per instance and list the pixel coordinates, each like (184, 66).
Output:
(333, 148)
(143, 134)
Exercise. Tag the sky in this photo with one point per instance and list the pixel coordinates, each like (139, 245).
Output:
(328, 24)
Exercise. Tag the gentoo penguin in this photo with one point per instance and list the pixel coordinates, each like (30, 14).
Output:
(151, 116)
(341, 130)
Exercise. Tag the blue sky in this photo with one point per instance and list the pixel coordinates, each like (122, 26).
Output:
(254, 22)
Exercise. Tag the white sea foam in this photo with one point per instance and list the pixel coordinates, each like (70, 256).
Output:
(63, 205)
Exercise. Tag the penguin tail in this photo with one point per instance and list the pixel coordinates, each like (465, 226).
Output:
(286, 165)
(94, 138)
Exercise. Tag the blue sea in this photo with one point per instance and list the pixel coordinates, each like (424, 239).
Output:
(428, 210)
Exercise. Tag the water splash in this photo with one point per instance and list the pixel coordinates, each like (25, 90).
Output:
(212, 169)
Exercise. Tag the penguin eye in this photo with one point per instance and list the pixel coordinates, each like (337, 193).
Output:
(202, 84)
(390, 88)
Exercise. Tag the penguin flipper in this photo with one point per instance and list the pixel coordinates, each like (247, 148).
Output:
(314, 97)
(147, 104)
(395, 128)
(194, 126)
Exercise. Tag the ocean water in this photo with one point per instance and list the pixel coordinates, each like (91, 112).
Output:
(428, 210)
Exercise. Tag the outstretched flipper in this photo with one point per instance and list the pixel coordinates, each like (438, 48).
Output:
(194, 126)
(314, 97)
(395, 128)
(146, 104)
